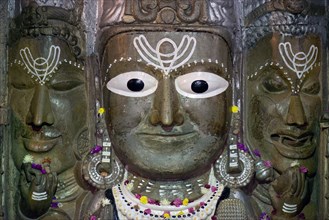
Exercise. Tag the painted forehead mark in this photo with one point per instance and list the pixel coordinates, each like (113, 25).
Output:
(299, 62)
(43, 68)
(179, 55)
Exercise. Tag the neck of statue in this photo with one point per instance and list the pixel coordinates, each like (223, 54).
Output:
(168, 190)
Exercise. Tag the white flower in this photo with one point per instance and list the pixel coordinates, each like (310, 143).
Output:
(105, 202)
(204, 190)
(130, 186)
(164, 202)
(60, 205)
(294, 163)
(28, 158)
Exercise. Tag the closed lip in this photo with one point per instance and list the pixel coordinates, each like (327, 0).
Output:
(168, 138)
(40, 142)
(296, 146)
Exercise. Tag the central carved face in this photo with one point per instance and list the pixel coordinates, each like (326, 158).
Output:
(167, 98)
(284, 100)
(48, 100)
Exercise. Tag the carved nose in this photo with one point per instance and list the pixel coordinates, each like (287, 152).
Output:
(40, 111)
(296, 114)
(166, 106)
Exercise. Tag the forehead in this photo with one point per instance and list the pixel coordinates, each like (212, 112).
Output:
(267, 49)
(207, 45)
(39, 47)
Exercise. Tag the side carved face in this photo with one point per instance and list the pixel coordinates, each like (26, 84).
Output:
(284, 100)
(48, 100)
(167, 97)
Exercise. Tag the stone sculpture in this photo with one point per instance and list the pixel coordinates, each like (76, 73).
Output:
(167, 99)
(202, 110)
(283, 73)
(48, 99)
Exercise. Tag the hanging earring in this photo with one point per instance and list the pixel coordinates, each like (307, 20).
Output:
(235, 167)
(101, 168)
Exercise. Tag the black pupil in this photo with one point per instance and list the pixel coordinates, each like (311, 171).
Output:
(135, 85)
(199, 86)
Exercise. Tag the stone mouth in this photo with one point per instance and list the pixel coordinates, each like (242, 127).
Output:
(167, 138)
(294, 146)
(40, 143)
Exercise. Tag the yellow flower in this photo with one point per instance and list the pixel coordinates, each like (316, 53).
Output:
(101, 111)
(180, 213)
(185, 201)
(143, 199)
(235, 109)
(166, 215)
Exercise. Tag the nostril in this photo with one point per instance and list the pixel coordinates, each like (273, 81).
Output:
(35, 127)
(167, 128)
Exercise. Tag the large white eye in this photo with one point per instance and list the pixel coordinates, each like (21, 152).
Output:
(200, 85)
(133, 84)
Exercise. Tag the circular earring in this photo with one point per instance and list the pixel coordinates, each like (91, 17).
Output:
(100, 167)
(235, 167)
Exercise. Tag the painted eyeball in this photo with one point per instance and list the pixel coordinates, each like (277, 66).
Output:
(133, 84)
(200, 85)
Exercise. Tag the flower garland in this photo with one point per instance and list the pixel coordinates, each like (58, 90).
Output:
(132, 206)
(44, 167)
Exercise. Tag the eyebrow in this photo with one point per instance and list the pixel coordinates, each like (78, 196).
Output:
(197, 63)
(74, 68)
(268, 65)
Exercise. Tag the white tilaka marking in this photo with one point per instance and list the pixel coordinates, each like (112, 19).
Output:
(165, 61)
(41, 67)
(289, 208)
(299, 62)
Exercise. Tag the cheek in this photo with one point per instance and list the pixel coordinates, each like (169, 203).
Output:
(20, 103)
(209, 114)
(70, 111)
(312, 107)
(261, 112)
(127, 113)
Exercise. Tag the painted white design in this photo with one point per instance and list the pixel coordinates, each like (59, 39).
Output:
(39, 196)
(41, 67)
(289, 208)
(165, 61)
(299, 62)
(195, 62)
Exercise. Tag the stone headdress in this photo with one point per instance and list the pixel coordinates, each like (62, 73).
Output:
(289, 17)
(56, 18)
(167, 15)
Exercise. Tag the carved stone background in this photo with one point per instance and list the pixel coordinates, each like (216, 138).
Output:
(92, 9)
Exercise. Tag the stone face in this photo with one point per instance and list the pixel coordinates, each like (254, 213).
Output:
(284, 79)
(166, 135)
(284, 104)
(48, 100)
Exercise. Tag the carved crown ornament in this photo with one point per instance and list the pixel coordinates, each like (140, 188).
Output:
(215, 16)
(180, 12)
(65, 4)
(54, 21)
(299, 11)
(289, 17)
